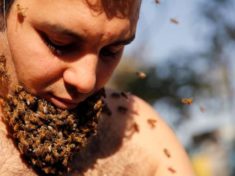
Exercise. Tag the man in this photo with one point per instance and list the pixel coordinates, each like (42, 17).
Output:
(56, 57)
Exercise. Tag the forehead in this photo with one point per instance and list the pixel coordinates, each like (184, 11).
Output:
(109, 15)
(112, 8)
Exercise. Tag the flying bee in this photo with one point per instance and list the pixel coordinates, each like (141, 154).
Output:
(122, 109)
(152, 122)
(106, 110)
(132, 129)
(141, 75)
(125, 95)
(174, 21)
(202, 109)
(172, 170)
(157, 1)
(98, 104)
(21, 13)
(187, 101)
(115, 95)
(135, 127)
(167, 153)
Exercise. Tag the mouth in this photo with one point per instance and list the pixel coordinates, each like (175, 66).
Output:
(62, 102)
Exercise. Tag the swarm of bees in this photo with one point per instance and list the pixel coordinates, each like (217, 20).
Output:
(46, 136)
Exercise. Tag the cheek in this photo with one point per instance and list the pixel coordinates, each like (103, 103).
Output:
(35, 67)
(35, 72)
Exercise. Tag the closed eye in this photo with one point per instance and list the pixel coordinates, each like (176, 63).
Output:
(56, 47)
(111, 52)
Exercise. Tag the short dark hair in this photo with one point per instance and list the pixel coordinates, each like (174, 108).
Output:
(122, 6)
(113, 8)
(117, 8)
(5, 6)
(8, 4)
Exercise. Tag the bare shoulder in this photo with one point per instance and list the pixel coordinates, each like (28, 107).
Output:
(132, 140)
(149, 131)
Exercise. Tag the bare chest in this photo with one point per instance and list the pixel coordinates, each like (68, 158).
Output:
(128, 161)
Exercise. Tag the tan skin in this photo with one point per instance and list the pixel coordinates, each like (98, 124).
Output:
(88, 48)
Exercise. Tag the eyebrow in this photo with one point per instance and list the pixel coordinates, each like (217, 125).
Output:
(59, 29)
(125, 41)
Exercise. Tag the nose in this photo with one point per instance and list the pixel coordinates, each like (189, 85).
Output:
(81, 74)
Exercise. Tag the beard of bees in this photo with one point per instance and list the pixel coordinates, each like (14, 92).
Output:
(46, 136)
(4, 81)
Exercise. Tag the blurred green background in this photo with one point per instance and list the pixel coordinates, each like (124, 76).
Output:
(187, 50)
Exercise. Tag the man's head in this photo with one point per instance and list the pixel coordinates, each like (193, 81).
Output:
(59, 52)
(66, 50)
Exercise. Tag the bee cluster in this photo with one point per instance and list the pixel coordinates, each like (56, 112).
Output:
(46, 136)
(3, 73)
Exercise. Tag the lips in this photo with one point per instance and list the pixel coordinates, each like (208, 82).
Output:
(62, 102)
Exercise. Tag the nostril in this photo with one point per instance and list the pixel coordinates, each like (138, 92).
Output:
(72, 90)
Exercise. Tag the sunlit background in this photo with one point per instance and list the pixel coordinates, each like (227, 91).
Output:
(186, 48)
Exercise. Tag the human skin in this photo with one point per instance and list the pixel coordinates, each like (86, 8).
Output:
(75, 73)
(81, 66)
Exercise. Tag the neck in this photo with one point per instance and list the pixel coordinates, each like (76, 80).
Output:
(11, 163)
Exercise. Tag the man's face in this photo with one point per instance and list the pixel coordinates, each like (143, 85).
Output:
(64, 51)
